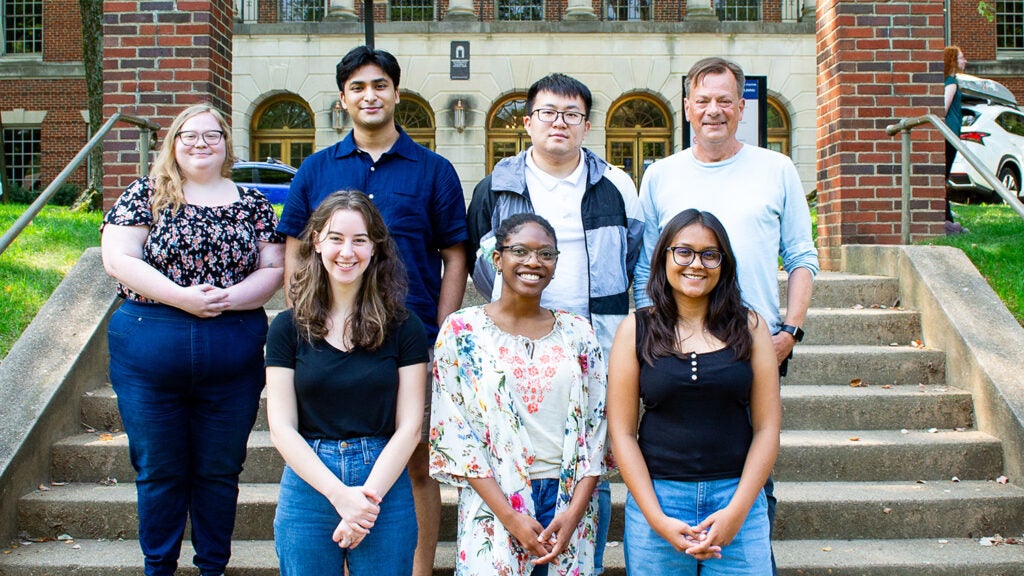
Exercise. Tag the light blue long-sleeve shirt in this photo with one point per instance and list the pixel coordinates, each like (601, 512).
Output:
(757, 196)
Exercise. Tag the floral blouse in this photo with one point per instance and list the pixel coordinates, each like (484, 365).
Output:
(476, 432)
(216, 245)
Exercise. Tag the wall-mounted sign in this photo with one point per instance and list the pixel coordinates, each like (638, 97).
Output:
(460, 60)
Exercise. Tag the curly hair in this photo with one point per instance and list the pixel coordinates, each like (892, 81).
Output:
(381, 297)
(727, 317)
(951, 60)
(168, 181)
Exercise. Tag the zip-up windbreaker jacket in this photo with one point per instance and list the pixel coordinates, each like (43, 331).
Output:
(612, 226)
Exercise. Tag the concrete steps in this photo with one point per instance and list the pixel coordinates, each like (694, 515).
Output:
(864, 476)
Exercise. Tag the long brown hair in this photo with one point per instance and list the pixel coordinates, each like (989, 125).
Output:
(951, 60)
(168, 182)
(726, 317)
(380, 301)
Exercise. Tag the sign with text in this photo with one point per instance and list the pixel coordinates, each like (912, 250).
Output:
(460, 60)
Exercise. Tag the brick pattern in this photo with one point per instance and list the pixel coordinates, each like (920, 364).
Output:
(62, 31)
(771, 10)
(266, 11)
(969, 30)
(877, 63)
(159, 58)
(63, 132)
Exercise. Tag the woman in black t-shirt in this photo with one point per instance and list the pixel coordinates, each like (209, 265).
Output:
(705, 369)
(346, 370)
(195, 258)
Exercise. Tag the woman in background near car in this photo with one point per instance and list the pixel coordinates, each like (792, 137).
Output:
(705, 368)
(518, 419)
(954, 63)
(195, 258)
(346, 371)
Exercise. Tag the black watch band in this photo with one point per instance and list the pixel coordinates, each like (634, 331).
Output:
(795, 331)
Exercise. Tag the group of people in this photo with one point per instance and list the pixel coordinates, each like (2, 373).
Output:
(378, 385)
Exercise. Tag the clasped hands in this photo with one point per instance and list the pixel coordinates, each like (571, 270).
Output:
(705, 540)
(544, 543)
(358, 507)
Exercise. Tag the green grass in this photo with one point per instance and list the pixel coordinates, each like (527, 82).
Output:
(34, 265)
(995, 245)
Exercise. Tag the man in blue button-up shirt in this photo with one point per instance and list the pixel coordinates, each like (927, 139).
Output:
(420, 198)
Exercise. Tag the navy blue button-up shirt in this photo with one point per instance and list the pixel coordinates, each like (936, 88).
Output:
(418, 193)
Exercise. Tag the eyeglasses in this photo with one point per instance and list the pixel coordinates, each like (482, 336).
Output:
(549, 116)
(684, 256)
(211, 137)
(522, 254)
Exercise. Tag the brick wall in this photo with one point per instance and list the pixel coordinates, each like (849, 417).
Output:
(267, 11)
(971, 31)
(159, 58)
(62, 31)
(771, 10)
(63, 131)
(877, 63)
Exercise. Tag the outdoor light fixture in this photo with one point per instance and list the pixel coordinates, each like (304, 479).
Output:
(459, 116)
(337, 116)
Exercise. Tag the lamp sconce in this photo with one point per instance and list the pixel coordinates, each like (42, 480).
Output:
(459, 116)
(337, 116)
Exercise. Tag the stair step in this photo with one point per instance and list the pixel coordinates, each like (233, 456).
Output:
(884, 407)
(873, 365)
(841, 290)
(917, 557)
(867, 327)
(99, 410)
(936, 509)
(886, 455)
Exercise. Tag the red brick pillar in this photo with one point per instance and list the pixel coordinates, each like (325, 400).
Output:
(160, 57)
(878, 62)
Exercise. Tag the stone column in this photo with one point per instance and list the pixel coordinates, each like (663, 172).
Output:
(460, 11)
(872, 72)
(342, 10)
(580, 10)
(700, 10)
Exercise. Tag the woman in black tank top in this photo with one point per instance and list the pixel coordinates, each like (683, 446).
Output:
(704, 367)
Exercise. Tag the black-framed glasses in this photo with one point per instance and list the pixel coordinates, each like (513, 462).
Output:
(522, 253)
(211, 137)
(684, 256)
(549, 116)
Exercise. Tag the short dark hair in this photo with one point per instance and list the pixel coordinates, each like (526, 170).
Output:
(714, 65)
(361, 56)
(515, 222)
(563, 86)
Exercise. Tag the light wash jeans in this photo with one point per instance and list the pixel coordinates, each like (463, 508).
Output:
(306, 520)
(647, 553)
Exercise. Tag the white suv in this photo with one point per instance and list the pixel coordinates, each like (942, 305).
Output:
(993, 128)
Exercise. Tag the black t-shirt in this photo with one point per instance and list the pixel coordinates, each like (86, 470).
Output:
(695, 429)
(344, 395)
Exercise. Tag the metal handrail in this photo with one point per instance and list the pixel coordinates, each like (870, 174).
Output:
(905, 126)
(33, 210)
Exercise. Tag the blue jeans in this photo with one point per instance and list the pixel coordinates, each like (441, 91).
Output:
(306, 520)
(188, 390)
(545, 496)
(604, 520)
(749, 554)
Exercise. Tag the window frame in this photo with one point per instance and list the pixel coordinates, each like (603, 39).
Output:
(33, 170)
(36, 44)
(536, 6)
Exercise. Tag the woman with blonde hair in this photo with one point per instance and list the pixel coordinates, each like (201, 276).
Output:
(346, 370)
(195, 258)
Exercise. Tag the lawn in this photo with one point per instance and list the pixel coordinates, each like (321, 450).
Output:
(995, 245)
(34, 265)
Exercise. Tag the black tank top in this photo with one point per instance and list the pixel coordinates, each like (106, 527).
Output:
(696, 423)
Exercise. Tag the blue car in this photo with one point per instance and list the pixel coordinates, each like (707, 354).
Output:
(272, 178)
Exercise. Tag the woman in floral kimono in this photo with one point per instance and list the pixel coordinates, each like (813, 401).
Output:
(518, 419)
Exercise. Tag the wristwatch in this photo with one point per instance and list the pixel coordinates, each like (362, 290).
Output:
(795, 331)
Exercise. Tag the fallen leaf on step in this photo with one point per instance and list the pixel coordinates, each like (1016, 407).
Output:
(943, 541)
(916, 344)
(887, 386)
(106, 437)
(886, 510)
(985, 541)
(64, 537)
(921, 481)
(44, 488)
(108, 481)
(826, 549)
(855, 439)
(58, 483)
(894, 343)
(858, 306)
(904, 431)
(954, 479)
(857, 383)
(1002, 480)
(933, 430)
(76, 547)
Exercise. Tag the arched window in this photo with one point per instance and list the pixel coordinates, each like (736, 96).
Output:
(638, 132)
(505, 133)
(414, 115)
(778, 127)
(283, 129)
